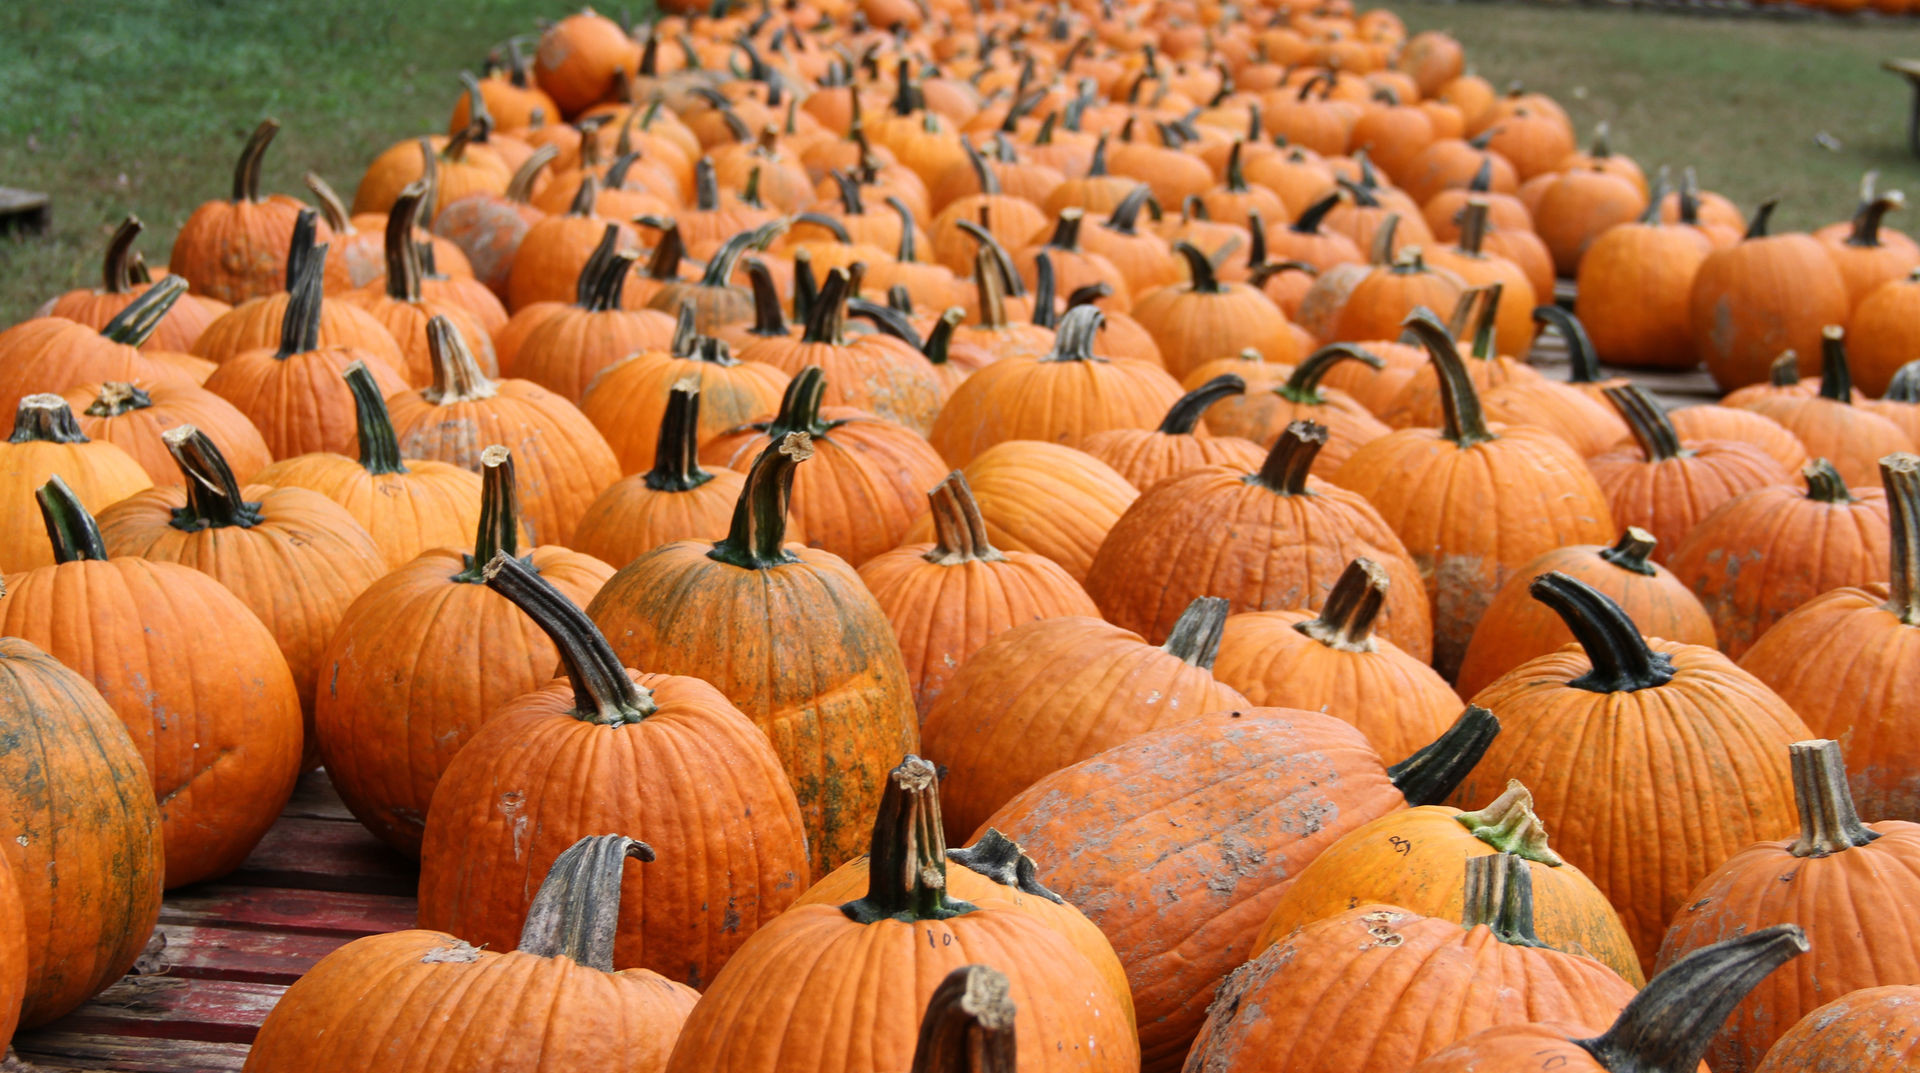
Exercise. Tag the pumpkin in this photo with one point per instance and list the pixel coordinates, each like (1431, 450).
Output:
(1446, 210)
(1715, 422)
(716, 302)
(158, 639)
(1765, 552)
(1475, 267)
(54, 353)
(232, 250)
(1867, 254)
(47, 442)
(877, 945)
(1880, 335)
(80, 838)
(1853, 1032)
(1623, 731)
(1632, 292)
(837, 710)
(294, 557)
(1141, 256)
(1263, 416)
(1418, 403)
(1074, 266)
(384, 1003)
(1424, 481)
(426, 654)
(1783, 381)
(1145, 456)
(1665, 485)
(1829, 425)
(1664, 1029)
(489, 228)
(1413, 858)
(554, 252)
(1330, 662)
(132, 418)
(684, 759)
(1206, 318)
(1452, 163)
(1830, 880)
(580, 59)
(1381, 986)
(1383, 298)
(452, 167)
(564, 350)
(95, 308)
(1516, 627)
(398, 304)
(1274, 538)
(1253, 794)
(1580, 205)
(356, 257)
(1765, 294)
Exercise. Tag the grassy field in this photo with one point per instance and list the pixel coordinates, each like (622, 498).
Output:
(120, 106)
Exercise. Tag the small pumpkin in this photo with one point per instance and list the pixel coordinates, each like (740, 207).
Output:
(47, 442)
(232, 250)
(54, 353)
(1829, 425)
(96, 307)
(1632, 292)
(133, 417)
(1206, 318)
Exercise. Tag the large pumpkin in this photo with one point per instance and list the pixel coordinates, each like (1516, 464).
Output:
(1854, 1033)
(1765, 294)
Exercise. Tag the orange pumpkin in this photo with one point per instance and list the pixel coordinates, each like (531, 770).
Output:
(1851, 1033)
(132, 418)
(54, 353)
(1765, 294)
(95, 308)
(47, 442)
(1207, 318)
(232, 250)
(1852, 438)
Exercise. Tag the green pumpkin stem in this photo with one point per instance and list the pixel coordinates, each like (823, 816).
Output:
(213, 492)
(909, 249)
(827, 320)
(603, 693)
(1185, 414)
(1195, 637)
(1900, 475)
(300, 324)
(603, 278)
(1303, 385)
(403, 261)
(135, 324)
(246, 172)
(1648, 421)
(769, 320)
(1824, 483)
(1346, 620)
(1000, 859)
(1236, 177)
(576, 912)
(115, 272)
(757, 537)
(499, 531)
(117, 397)
(959, 530)
(1836, 377)
(70, 528)
(1621, 658)
(907, 862)
(1499, 894)
(1583, 362)
(300, 244)
(968, 1026)
(676, 456)
(1509, 825)
(1666, 1027)
(1430, 775)
(45, 418)
(720, 268)
(1290, 459)
(1630, 552)
(1465, 423)
(938, 346)
(373, 425)
(1828, 822)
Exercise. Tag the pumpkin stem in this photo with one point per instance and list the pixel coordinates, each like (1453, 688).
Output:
(1473, 227)
(1089, 294)
(907, 869)
(603, 692)
(1184, 415)
(1828, 822)
(1430, 775)
(1346, 620)
(213, 492)
(959, 530)
(1824, 484)
(45, 418)
(1000, 859)
(997, 254)
(520, 187)
(609, 281)
(1836, 378)
(1621, 659)
(1509, 824)
(403, 261)
(246, 173)
(1631, 550)
(1905, 385)
(1785, 370)
(1195, 637)
(1466, 423)
(663, 263)
(300, 324)
(379, 446)
(1074, 339)
(1762, 219)
(1651, 427)
(769, 320)
(1666, 1027)
(827, 320)
(676, 456)
(457, 377)
(1303, 386)
(135, 324)
(117, 397)
(1045, 313)
(1236, 177)
(1310, 220)
(806, 287)
(499, 532)
(331, 207)
(759, 531)
(114, 272)
(1689, 197)
(1866, 222)
(1125, 217)
(1900, 475)
(1380, 250)
(982, 171)
(720, 268)
(1066, 229)
(1499, 894)
(71, 530)
(300, 244)
(908, 251)
(1199, 269)
(938, 346)
(1290, 459)
(1584, 363)
(576, 912)
(1482, 181)
(969, 1025)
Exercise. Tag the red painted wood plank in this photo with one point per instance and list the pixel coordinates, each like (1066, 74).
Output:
(344, 914)
(308, 854)
(61, 1049)
(215, 953)
(169, 1007)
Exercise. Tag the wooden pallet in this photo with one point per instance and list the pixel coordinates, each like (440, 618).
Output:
(225, 951)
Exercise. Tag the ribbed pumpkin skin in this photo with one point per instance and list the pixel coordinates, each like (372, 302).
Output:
(406, 322)
(1522, 1048)
(1633, 286)
(409, 1000)
(875, 373)
(1379, 987)
(418, 662)
(1766, 552)
(1179, 842)
(197, 681)
(568, 349)
(1869, 1030)
(1032, 398)
(254, 324)
(562, 461)
(1414, 858)
(297, 569)
(840, 712)
(1397, 701)
(1021, 486)
(79, 831)
(753, 1020)
(1214, 532)
(1668, 497)
(54, 354)
(1469, 517)
(1048, 694)
(1609, 770)
(1263, 415)
(137, 431)
(235, 250)
(1853, 438)
(1191, 329)
(1761, 297)
(13, 952)
(176, 334)
(1713, 422)
(1855, 907)
(99, 473)
(864, 489)
(300, 404)
(943, 614)
(695, 767)
(627, 400)
(432, 505)
(1518, 627)
(1417, 405)
(1145, 457)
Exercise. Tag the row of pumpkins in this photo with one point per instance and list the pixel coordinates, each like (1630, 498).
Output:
(1055, 394)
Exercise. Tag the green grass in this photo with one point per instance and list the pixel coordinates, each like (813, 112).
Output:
(119, 106)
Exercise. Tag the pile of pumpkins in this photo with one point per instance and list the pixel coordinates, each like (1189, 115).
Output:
(1039, 516)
